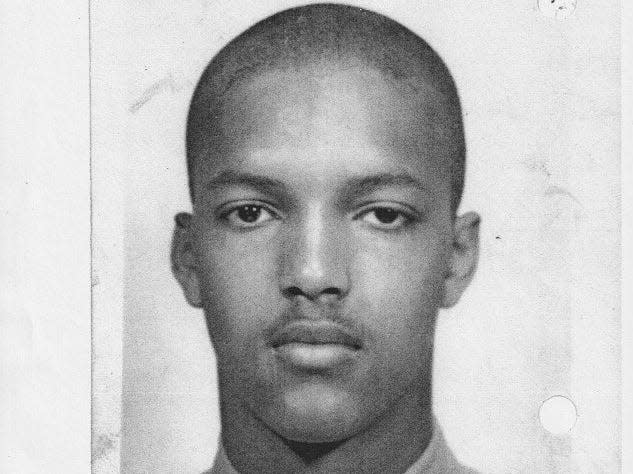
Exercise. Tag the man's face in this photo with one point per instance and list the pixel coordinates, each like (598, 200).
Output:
(322, 235)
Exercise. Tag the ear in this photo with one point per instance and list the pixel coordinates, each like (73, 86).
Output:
(464, 257)
(183, 259)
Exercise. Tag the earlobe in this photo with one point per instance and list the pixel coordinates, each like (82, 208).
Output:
(465, 254)
(183, 259)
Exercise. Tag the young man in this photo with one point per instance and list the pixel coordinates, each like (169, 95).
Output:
(326, 157)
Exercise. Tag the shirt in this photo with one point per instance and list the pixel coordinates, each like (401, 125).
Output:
(437, 458)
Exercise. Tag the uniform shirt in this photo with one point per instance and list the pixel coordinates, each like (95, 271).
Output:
(437, 458)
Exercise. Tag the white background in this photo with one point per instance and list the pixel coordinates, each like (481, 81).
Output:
(537, 321)
(541, 102)
(44, 238)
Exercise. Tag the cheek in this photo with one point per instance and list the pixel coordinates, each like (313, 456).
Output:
(412, 271)
(402, 290)
(238, 287)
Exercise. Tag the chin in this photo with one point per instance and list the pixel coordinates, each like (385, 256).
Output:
(317, 414)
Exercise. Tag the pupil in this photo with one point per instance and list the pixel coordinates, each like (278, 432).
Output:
(386, 215)
(249, 213)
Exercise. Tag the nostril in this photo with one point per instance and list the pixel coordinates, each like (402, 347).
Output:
(293, 291)
(332, 291)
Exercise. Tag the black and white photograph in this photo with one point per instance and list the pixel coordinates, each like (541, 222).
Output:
(349, 237)
(364, 238)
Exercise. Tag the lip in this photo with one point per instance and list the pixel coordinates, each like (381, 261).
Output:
(315, 345)
(315, 333)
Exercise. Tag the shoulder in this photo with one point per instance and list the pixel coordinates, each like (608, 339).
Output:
(441, 458)
(466, 470)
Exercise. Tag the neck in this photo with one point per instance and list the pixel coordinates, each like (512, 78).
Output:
(390, 445)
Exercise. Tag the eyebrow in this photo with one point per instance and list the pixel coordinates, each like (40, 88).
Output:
(354, 186)
(235, 178)
(367, 184)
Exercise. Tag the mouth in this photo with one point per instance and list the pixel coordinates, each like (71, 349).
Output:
(315, 345)
(315, 333)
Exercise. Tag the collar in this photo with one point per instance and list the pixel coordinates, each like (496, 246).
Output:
(437, 458)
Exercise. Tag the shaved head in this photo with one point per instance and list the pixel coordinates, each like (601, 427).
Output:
(325, 151)
(327, 37)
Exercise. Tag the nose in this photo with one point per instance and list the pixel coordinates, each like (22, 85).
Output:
(315, 258)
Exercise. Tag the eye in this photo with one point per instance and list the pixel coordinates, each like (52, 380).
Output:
(248, 215)
(385, 218)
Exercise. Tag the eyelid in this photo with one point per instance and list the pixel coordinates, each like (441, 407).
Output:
(227, 215)
(230, 206)
(408, 211)
(406, 217)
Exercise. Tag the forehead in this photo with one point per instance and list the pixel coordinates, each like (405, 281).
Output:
(329, 115)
